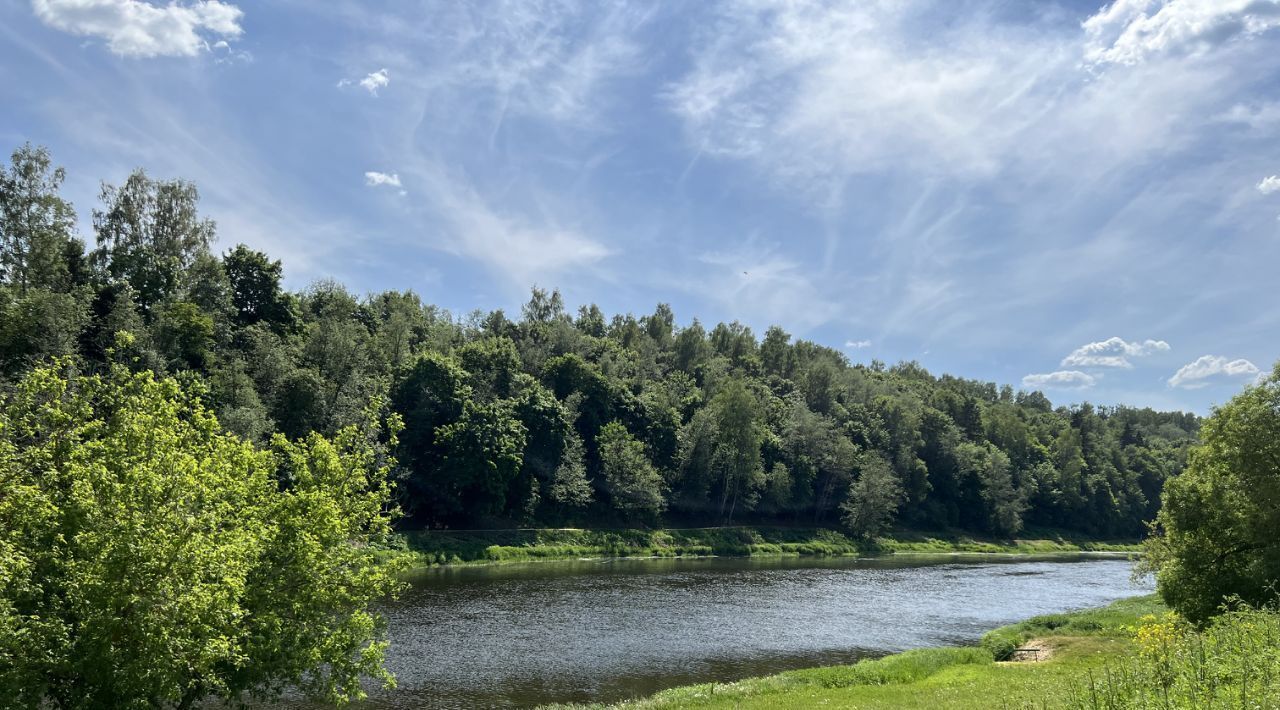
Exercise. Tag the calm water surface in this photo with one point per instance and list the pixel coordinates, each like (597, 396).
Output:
(521, 635)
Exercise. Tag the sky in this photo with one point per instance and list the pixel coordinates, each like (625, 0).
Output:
(1077, 197)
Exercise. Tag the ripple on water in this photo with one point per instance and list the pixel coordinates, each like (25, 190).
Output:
(515, 636)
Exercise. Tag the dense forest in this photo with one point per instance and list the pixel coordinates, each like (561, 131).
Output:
(550, 417)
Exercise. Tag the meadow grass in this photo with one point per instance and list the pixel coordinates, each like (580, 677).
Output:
(964, 678)
(438, 547)
(1232, 663)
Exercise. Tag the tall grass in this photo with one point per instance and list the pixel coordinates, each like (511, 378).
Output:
(1107, 620)
(1233, 663)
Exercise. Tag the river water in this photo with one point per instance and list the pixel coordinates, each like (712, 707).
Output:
(522, 635)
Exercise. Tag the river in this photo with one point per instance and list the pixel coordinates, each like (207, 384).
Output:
(522, 635)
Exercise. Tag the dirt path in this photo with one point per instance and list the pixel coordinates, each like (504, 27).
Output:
(1036, 650)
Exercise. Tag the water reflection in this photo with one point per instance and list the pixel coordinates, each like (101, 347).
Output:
(521, 635)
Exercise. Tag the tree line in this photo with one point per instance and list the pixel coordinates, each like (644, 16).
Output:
(549, 417)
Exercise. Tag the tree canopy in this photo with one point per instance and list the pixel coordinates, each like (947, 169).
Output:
(147, 557)
(1218, 534)
(560, 417)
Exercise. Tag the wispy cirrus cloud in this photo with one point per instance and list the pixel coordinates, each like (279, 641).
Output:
(133, 28)
(1209, 368)
(524, 250)
(756, 283)
(815, 90)
(1112, 352)
(1269, 185)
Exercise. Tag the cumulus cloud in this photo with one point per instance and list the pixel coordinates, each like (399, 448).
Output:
(374, 178)
(857, 344)
(1197, 374)
(1112, 352)
(133, 28)
(1269, 185)
(1062, 380)
(1131, 31)
(375, 80)
(371, 82)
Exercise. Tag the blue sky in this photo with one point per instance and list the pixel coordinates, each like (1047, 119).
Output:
(1070, 196)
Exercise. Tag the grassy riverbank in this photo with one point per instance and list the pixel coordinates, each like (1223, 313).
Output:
(962, 678)
(431, 547)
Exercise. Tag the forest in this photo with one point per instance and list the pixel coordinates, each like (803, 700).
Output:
(550, 417)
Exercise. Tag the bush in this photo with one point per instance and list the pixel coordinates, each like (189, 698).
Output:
(1233, 663)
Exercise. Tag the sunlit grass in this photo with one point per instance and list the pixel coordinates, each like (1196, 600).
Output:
(936, 678)
(459, 547)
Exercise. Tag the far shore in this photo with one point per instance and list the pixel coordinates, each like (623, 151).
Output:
(435, 548)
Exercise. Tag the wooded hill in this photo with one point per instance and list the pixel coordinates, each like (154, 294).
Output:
(553, 418)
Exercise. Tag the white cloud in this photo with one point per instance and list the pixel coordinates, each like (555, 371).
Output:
(817, 90)
(371, 83)
(817, 94)
(374, 178)
(1195, 375)
(546, 59)
(522, 250)
(1269, 185)
(755, 283)
(1062, 379)
(1263, 116)
(375, 80)
(857, 344)
(133, 28)
(1131, 31)
(1112, 352)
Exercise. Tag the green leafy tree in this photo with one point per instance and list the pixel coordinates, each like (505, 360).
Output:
(634, 486)
(185, 334)
(570, 486)
(255, 289)
(149, 559)
(1218, 532)
(481, 454)
(149, 234)
(737, 455)
(999, 501)
(36, 225)
(39, 325)
(873, 498)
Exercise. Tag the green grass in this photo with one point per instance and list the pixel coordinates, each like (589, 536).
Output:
(938, 678)
(431, 547)
(1234, 662)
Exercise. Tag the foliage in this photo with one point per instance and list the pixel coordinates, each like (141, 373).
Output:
(1230, 664)
(505, 419)
(873, 498)
(148, 558)
(630, 480)
(1219, 529)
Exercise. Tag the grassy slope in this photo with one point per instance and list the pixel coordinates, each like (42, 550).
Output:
(454, 547)
(939, 677)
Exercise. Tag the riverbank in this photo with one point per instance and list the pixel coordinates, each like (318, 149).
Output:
(969, 677)
(452, 547)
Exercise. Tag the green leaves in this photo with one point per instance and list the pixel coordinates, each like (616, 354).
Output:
(146, 556)
(1219, 528)
(634, 486)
